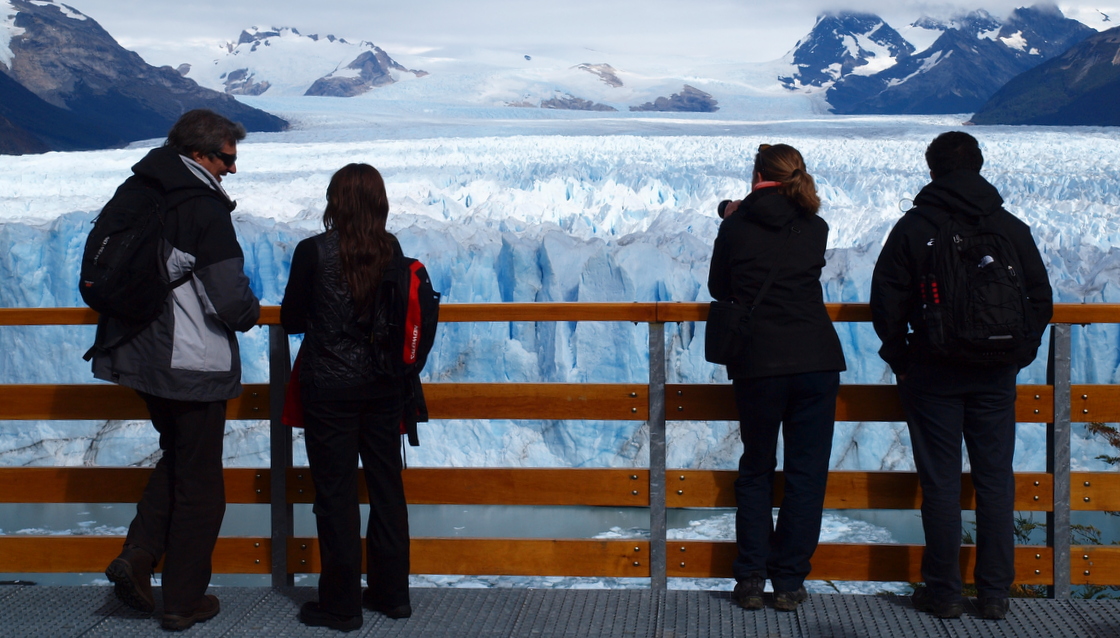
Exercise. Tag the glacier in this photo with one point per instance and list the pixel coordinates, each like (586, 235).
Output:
(521, 205)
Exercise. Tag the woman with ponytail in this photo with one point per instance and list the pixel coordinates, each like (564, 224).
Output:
(787, 379)
(349, 411)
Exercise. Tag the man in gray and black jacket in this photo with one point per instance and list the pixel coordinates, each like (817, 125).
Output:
(185, 366)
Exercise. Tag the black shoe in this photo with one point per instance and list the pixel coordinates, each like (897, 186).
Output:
(131, 575)
(205, 609)
(993, 608)
(789, 600)
(312, 616)
(748, 592)
(393, 611)
(924, 601)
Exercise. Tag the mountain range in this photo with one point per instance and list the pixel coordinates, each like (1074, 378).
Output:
(1079, 87)
(867, 67)
(66, 84)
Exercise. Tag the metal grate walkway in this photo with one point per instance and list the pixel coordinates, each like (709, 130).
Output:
(59, 612)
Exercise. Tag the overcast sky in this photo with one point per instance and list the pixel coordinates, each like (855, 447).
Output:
(725, 29)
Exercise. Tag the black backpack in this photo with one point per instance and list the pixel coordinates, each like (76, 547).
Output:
(121, 276)
(973, 298)
(405, 317)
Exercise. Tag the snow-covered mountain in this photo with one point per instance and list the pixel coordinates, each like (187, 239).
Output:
(99, 93)
(1079, 87)
(843, 44)
(281, 61)
(974, 55)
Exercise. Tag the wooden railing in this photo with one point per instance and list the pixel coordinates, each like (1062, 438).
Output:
(1055, 492)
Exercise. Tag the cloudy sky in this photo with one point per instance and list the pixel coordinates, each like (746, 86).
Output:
(725, 29)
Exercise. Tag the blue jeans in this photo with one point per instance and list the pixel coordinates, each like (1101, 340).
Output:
(803, 406)
(944, 403)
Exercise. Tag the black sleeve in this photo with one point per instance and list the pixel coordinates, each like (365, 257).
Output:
(892, 297)
(1040, 296)
(219, 266)
(719, 279)
(296, 307)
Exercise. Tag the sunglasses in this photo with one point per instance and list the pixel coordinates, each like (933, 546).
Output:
(227, 159)
(763, 147)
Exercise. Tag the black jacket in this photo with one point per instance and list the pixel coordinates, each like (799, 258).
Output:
(791, 331)
(189, 353)
(907, 255)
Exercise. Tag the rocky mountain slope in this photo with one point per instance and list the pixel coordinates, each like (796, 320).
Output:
(1079, 87)
(102, 94)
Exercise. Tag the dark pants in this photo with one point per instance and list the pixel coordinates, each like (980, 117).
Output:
(180, 514)
(338, 432)
(803, 406)
(944, 403)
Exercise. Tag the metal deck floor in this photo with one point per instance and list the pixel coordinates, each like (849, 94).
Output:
(59, 612)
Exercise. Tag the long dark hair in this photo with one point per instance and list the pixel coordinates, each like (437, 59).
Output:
(783, 163)
(357, 208)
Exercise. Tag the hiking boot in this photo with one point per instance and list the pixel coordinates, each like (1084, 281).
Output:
(311, 615)
(789, 600)
(748, 592)
(993, 608)
(206, 608)
(131, 575)
(923, 600)
(393, 611)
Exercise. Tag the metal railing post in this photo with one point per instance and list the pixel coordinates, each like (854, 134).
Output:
(280, 438)
(1058, 371)
(657, 518)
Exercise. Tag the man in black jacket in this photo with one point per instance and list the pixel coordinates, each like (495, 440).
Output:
(185, 365)
(945, 398)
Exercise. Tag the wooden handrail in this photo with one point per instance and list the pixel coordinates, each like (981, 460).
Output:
(556, 401)
(559, 487)
(642, 312)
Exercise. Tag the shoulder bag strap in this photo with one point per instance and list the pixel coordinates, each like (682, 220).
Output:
(793, 230)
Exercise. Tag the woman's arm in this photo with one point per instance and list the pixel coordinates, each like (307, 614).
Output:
(296, 306)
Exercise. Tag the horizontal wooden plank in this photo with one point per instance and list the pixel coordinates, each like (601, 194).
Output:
(47, 316)
(576, 311)
(1094, 491)
(96, 401)
(504, 557)
(112, 484)
(503, 486)
(690, 311)
(548, 311)
(1095, 403)
(1084, 313)
(607, 402)
(1095, 565)
(856, 402)
(92, 554)
(848, 490)
(853, 561)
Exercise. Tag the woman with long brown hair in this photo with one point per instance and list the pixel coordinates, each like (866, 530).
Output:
(787, 379)
(349, 410)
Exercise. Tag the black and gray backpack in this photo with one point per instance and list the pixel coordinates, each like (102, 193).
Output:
(121, 276)
(973, 297)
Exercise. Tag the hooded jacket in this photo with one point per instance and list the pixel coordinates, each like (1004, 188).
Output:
(790, 330)
(190, 352)
(908, 254)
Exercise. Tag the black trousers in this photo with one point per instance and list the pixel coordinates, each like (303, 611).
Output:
(180, 513)
(337, 432)
(803, 407)
(944, 403)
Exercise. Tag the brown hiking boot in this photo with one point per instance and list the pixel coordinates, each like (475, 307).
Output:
(206, 608)
(131, 575)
